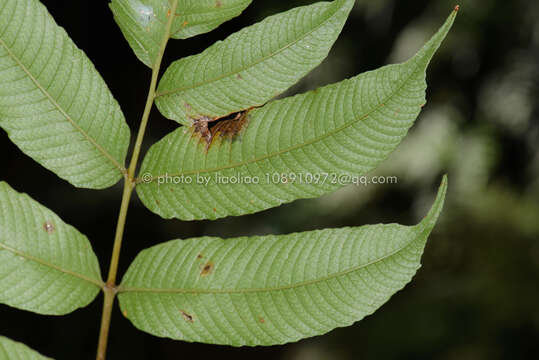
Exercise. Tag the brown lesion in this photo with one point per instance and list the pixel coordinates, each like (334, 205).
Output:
(207, 269)
(227, 127)
(187, 317)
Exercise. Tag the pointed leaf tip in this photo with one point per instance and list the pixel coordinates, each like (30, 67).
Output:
(430, 220)
(429, 49)
(288, 287)
(360, 121)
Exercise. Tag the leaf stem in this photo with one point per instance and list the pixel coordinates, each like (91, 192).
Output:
(105, 322)
(110, 288)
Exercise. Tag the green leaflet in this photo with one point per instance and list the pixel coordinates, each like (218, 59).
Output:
(267, 290)
(53, 104)
(253, 65)
(46, 266)
(143, 22)
(10, 350)
(342, 130)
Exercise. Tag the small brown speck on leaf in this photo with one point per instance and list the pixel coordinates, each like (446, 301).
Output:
(157, 202)
(214, 210)
(125, 313)
(199, 256)
(184, 24)
(261, 320)
(239, 77)
(218, 4)
(187, 317)
(207, 269)
(49, 227)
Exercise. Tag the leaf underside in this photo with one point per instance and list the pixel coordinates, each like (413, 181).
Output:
(268, 290)
(11, 350)
(46, 266)
(53, 103)
(347, 128)
(143, 22)
(253, 65)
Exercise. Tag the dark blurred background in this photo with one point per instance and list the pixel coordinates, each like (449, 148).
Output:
(477, 294)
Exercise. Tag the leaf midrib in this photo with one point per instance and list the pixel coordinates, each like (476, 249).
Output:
(421, 235)
(236, 71)
(62, 111)
(98, 283)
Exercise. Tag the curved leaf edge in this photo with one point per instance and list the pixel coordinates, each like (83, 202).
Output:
(422, 59)
(20, 350)
(425, 226)
(98, 283)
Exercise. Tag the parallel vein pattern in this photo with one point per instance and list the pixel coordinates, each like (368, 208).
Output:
(143, 22)
(253, 65)
(53, 103)
(343, 129)
(12, 350)
(271, 289)
(46, 266)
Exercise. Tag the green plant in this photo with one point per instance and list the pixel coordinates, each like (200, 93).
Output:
(56, 108)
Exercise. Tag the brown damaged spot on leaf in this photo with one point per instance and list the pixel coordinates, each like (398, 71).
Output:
(200, 256)
(228, 127)
(207, 269)
(218, 4)
(187, 317)
(49, 227)
(261, 320)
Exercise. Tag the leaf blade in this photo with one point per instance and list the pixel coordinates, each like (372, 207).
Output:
(46, 265)
(278, 288)
(143, 21)
(343, 130)
(53, 103)
(10, 349)
(249, 68)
